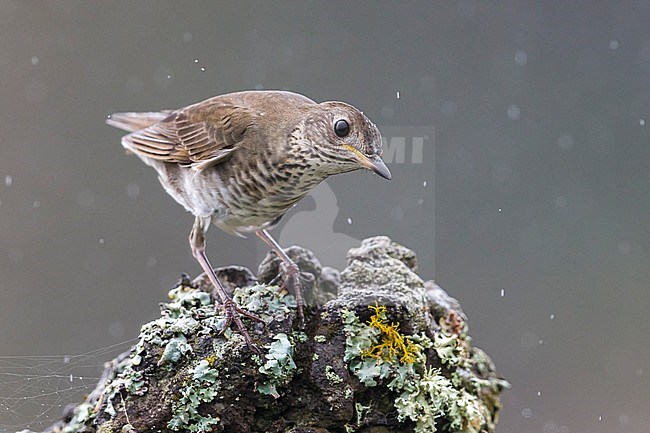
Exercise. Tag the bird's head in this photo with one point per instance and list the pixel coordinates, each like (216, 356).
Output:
(345, 138)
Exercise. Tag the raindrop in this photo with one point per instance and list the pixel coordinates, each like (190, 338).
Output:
(71, 378)
(552, 317)
(9, 180)
(449, 108)
(16, 255)
(624, 248)
(424, 184)
(163, 76)
(427, 82)
(397, 95)
(613, 44)
(101, 241)
(521, 58)
(349, 220)
(66, 360)
(500, 209)
(519, 38)
(539, 393)
(116, 330)
(134, 85)
(527, 412)
(565, 142)
(642, 122)
(202, 69)
(420, 201)
(397, 213)
(503, 293)
(196, 60)
(600, 418)
(85, 199)
(514, 112)
(37, 204)
(133, 190)
(34, 60)
(541, 341)
(387, 112)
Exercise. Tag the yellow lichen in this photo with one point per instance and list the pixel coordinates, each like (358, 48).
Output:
(392, 345)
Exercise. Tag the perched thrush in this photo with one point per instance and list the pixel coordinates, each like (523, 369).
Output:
(242, 160)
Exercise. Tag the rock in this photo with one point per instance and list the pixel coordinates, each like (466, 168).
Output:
(382, 351)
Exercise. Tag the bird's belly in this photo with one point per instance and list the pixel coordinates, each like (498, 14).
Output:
(236, 205)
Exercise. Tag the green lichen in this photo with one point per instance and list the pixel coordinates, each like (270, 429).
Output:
(361, 338)
(449, 349)
(175, 349)
(433, 400)
(375, 352)
(128, 379)
(268, 302)
(81, 415)
(299, 337)
(320, 338)
(279, 366)
(202, 387)
(332, 377)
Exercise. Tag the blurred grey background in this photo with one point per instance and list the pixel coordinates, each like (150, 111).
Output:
(532, 198)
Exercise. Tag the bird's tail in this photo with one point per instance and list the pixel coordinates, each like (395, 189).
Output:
(136, 121)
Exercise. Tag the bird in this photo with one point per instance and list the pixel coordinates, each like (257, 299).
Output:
(241, 160)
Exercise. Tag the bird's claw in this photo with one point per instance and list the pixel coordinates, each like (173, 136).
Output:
(292, 278)
(233, 315)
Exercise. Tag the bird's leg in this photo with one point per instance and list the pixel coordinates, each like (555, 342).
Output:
(291, 272)
(233, 312)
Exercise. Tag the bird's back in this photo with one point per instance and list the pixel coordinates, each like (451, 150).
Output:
(215, 157)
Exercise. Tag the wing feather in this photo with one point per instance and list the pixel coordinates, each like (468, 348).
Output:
(199, 136)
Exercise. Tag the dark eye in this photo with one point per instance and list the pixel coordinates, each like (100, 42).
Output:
(341, 128)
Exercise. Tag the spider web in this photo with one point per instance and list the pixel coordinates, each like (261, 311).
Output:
(34, 390)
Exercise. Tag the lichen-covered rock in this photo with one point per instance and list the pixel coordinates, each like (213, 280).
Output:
(382, 351)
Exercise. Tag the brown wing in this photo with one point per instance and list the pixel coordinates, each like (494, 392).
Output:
(199, 136)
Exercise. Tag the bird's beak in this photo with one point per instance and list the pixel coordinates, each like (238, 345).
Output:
(373, 163)
(377, 165)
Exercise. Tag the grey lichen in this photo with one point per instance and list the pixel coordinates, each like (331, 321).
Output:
(201, 387)
(279, 366)
(383, 350)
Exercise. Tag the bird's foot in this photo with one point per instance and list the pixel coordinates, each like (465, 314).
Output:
(233, 315)
(292, 280)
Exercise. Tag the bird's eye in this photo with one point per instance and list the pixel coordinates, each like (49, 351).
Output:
(341, 128)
